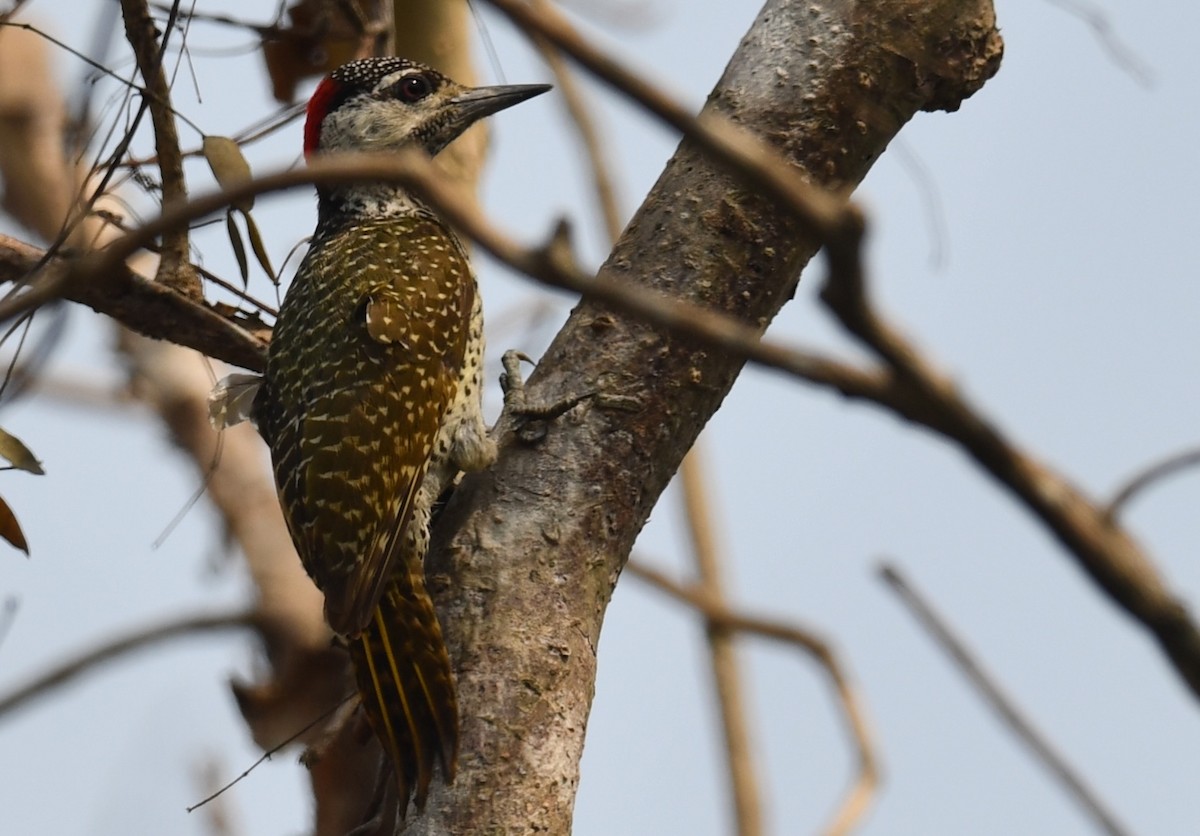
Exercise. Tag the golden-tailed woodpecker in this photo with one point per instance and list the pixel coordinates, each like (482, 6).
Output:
(371, 398)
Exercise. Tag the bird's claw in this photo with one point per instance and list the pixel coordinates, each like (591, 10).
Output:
(530, 419)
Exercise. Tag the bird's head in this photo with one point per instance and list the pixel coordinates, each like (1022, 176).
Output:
(381, 104)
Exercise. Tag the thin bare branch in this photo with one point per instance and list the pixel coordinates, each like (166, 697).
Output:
(102, 282)
(589, 135)
(174, 269)
(1000, 702)
(99, 68)
(927, 189)
(438, 33)
(862, 791)
(920, 392)
(707, 556)
(220, 819)
(822, 212)
(87, 660)
(335, 707)
(1145, 478)
(284, 116)
(142, 305)
(1123, 56)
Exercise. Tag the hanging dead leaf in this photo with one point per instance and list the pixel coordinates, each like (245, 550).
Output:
(321, 37)
(10, 529)
(228, 165)
(256, 244)
(239, 248)
(18, 454)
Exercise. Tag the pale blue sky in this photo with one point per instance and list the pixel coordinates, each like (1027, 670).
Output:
(1066, 304)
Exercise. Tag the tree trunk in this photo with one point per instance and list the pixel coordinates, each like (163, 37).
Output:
(530, 551)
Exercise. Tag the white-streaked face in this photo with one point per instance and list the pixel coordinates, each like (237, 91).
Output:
(403, 107)
(382, 104)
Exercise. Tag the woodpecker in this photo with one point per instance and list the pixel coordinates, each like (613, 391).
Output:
(371, 398)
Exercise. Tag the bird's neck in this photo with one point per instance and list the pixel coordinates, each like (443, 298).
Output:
(351, 204)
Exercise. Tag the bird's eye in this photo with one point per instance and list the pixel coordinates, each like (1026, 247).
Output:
(413, 88)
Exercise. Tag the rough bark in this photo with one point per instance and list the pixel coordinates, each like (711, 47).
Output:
(538, 542)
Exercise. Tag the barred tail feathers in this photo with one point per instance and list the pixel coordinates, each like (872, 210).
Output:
(406, 686)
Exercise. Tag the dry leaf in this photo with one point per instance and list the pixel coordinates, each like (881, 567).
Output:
(239, 249)
(18, 454)
(228, 165)
(256, 244)
(10, 530)
(320, 38)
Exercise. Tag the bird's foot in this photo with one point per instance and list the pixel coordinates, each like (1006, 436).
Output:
(530, 419)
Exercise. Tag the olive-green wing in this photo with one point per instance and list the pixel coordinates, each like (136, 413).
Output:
(413, 331)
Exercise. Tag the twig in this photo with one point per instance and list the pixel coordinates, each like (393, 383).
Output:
(1000, 702)
(909, 384)
(100, 68)
(825, 214)
(116, 224)
(269, 753)
(866, 782)
(220, 818)
(1148, 476)
(1106, 552)
(281, 118)
(589, 135)
(935, 208)
(263, 31)
(1096, 20)
(102, 282)
(743, 778)
(174, 268)
(143, 637)
(138, 303)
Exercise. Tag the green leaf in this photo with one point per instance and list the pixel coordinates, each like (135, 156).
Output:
(15, 451)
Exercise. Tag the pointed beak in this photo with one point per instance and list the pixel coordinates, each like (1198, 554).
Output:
(476, 103)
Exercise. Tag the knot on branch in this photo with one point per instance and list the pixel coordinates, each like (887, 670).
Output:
(965, 59)
(954, 48)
